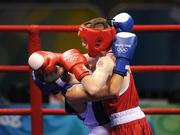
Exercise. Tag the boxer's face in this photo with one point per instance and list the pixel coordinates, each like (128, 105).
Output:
(84, 44)
(97, 26)
(52, 76)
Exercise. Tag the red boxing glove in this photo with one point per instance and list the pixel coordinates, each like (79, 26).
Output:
(74, 62)
(44, 61)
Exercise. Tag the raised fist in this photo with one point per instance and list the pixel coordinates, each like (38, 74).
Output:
(123, 49)
(74, 62)
(44, 61)
(123, 22)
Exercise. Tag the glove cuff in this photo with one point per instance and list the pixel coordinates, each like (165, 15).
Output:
(80, 71)
(121, 67)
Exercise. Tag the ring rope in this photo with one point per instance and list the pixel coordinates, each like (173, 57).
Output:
(149, 68)
(27, 111)
(74, 28)
(156, 68)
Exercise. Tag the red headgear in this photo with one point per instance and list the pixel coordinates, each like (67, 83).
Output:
(97, 40)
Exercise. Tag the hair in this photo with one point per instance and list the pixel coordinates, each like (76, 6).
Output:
(96, 22)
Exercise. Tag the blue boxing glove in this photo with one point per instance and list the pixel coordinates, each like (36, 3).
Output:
(60, 85)
(123, 22)
(123, 49)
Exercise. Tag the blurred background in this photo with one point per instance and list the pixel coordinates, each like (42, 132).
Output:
(154, 48)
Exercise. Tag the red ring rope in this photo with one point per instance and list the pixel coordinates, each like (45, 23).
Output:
(161, 110)
(74, 28)
(150, 68)
(14, 68)
(27, 111)
(156, 68)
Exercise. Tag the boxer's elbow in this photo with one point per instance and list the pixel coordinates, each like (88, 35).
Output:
(90, 86)
(93, 90)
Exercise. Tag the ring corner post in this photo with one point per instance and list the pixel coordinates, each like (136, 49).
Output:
(35, 94)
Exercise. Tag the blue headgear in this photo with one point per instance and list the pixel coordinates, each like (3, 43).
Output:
(51, 87)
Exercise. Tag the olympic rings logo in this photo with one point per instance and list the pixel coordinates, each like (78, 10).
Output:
(122, 48)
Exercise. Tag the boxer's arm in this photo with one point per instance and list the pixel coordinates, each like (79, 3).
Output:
(123, 49)
(77, 93)
(74, 62)
(95, 82)
(118, 83)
